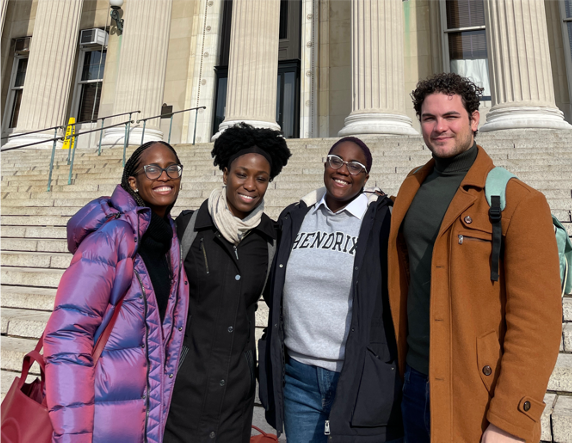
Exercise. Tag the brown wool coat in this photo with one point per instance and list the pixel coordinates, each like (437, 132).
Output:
(513, 325)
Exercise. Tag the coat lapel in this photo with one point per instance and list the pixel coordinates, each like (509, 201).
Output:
(463, 199)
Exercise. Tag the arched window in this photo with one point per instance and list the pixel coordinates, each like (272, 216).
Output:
(464, 41)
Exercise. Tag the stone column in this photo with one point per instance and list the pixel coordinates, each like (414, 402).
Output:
(142, 67)
(253, 64)
(50, 70)
(519, 67)
(3, 12)
(378, 87)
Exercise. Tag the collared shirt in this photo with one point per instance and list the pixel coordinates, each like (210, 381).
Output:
(357, 207)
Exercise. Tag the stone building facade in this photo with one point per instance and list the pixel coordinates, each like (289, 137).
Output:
(314, 68)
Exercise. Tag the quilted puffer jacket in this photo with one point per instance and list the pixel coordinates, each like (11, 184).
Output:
(126, 397)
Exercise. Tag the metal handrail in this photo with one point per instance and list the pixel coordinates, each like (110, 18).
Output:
(103, 123)
(144, 120)
(32, 132)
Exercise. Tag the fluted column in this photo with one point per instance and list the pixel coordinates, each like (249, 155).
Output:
(253, 64)
(3, 12)
(519, 59)
(378, 87)
(142, 67)
(50, 71)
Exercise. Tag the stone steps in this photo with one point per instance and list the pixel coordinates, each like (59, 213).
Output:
(51, 260)
(31, 277)
(22, 297)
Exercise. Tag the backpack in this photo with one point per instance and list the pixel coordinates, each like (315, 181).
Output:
(190, 234)
(495, 193)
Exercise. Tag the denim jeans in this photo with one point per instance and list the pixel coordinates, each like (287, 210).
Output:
(309, 392)
(415, 407)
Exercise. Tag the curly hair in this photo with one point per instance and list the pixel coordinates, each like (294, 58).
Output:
(243, 136)
(132, 165)
(450, 84)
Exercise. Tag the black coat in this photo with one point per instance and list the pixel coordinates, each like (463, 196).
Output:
(368, 396)
(213, 396)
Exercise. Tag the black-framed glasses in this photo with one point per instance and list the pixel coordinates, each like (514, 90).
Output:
(153, 172)
(354, 168)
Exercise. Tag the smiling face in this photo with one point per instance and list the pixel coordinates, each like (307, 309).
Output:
(446, 126)
(341, 186)
(246, 182)
(162, 192)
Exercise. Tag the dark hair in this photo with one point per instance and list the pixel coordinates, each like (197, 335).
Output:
(244, 136)
(361, 144)
(450, 84)
(132, 165)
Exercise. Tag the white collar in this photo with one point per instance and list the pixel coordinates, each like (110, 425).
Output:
(357, 207)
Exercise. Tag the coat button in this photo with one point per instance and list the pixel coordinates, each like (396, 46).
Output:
(468, 220)
(170, 375)
(180, 328)
(230, 329)
(526, 406)
(186, 282)
(212, 435)
(487, 370)
(222, 382)
(237, 277)
(281, 265)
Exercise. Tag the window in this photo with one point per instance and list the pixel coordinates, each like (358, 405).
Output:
(464, 42)
(89, 84)
(17, 89)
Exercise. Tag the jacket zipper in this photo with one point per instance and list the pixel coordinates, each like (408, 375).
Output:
(146, 354)
(235, 251)
(205, 255)
(327, 427)
(462, 238)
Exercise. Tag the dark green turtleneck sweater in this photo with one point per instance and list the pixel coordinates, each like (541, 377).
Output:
(420, 228)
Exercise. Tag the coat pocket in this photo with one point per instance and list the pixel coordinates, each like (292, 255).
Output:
(262, 376)
(378, 400)
(488, 357)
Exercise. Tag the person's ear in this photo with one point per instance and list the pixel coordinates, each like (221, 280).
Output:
(224, 176)
(133, 183)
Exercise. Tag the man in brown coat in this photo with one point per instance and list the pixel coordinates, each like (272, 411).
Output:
(476, 354)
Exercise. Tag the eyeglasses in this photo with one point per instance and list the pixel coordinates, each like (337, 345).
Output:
(354, 168)
(153, 172)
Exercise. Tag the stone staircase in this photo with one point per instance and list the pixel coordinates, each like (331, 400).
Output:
(34, 253)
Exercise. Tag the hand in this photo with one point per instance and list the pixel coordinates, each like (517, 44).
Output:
(495, 435)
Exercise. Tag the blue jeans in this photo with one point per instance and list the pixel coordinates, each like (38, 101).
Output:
(415, 407)
(309, 392)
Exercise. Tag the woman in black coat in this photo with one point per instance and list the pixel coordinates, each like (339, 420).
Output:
(328, 369)
(226, 265)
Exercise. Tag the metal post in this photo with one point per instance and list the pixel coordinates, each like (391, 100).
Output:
(170, 128)
(101, 135)
(143, 133)
(128, 129)
(75, 137)
(52, 160)
(195, 131)
(125, 143)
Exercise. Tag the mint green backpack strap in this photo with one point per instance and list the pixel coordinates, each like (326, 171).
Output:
(495, 193)
(496, 185)
(564, 254)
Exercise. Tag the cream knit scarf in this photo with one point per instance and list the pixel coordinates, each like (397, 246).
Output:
(232, 228)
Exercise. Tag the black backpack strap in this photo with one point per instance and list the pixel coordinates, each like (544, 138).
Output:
(495, 218)
(189, 236)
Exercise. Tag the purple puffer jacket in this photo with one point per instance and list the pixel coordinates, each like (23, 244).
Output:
(126, 397)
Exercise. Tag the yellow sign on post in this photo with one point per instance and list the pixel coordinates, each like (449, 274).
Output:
(69, 140)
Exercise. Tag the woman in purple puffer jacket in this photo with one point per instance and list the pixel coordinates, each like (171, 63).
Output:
(125, 247)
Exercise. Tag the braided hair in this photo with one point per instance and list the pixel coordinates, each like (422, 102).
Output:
(244, 136)
(132, 165)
